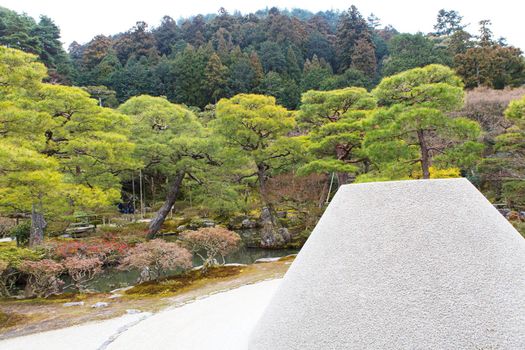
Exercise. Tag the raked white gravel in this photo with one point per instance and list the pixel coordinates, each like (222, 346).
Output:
(220, 321)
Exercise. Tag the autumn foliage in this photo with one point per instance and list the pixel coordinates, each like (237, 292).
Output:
(82, 270)
(107, 251)
(155, 258)
(214, 241)
(42, 277)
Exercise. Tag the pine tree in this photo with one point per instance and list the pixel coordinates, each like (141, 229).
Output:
(351, 28)
(364, 57)
(294, 72)
(216, 74)
(166, 35)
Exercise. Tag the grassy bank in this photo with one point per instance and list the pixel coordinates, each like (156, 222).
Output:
(20, 317)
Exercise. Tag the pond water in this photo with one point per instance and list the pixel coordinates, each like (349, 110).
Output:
(113, 278)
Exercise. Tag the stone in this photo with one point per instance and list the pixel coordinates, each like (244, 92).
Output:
(282, 214)
(73, 303)
(182, 228)
(123, 289)
(115, 296)
(208, 223)
(100, 304)
(133, 311)
(248, 224)
(266, 260)
(421, 264)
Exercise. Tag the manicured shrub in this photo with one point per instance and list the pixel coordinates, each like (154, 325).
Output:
(11, 257)
(4, 270)
(214, 241)
(42, 277)
(82, 270)
(21, 233)
(108, 252)
(155, 258)
(14, 255)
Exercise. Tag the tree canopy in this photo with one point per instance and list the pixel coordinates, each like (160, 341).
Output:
(69, 152)
(413, 127)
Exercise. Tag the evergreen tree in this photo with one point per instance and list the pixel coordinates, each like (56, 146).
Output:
(315, 72)
(284, 89)
(188, 69)
(66, 152)
(18, 32)
(255, 126)
(491, 66)
(166, 35)
(137, 42)
(95, 51)
(170, 142)
(243, 76)
(414, 131)
(293, 69)
(272, 57)
(216, 74)
(334, 120)
(413, 50)
(352, 27)
(319, 45)
(364, 58)
(448, 22)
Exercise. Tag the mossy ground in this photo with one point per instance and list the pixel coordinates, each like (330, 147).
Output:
(174, 284)
(37, 315)
(520, 226)
(9, 320)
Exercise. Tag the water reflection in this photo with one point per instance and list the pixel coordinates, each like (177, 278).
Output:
(113, 278)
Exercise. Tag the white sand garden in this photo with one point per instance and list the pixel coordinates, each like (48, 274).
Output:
(427, 264)
(220, 321)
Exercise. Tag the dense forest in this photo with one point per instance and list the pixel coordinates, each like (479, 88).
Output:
(197, 61)
(157, 149)
(256, 113)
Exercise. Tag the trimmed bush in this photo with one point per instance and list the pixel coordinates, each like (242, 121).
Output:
(155, 258)
(42, 277)
(215, 241)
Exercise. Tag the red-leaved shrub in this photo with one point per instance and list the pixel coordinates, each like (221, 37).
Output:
(42, 277)
(109, 252)
(215, 241)
(4, 268)
(82, 270)
(154, 258)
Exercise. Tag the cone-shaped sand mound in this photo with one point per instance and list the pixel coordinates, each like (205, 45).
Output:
(427, 264)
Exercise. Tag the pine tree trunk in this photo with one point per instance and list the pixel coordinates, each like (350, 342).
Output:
(341, 153)
(163, 212)
(324, 192)
(271, 235)
(38, 225)
(342, 179)
(425, 159)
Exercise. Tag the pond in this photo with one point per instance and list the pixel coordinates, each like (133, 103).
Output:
(113, 278)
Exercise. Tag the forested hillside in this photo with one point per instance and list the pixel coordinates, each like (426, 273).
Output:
(230, 131)
(236, 113)
(197, 61)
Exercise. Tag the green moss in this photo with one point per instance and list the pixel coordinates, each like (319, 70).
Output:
(174, 284)
(288, 258)
(14, 255)
(520, 226)
(8, 320)
(54, 299)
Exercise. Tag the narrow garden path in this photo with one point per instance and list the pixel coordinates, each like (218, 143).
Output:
(216, 303)
(220, 321)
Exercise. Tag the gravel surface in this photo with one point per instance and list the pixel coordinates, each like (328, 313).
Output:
(222, 321)
(89, 336)
(426, 264)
